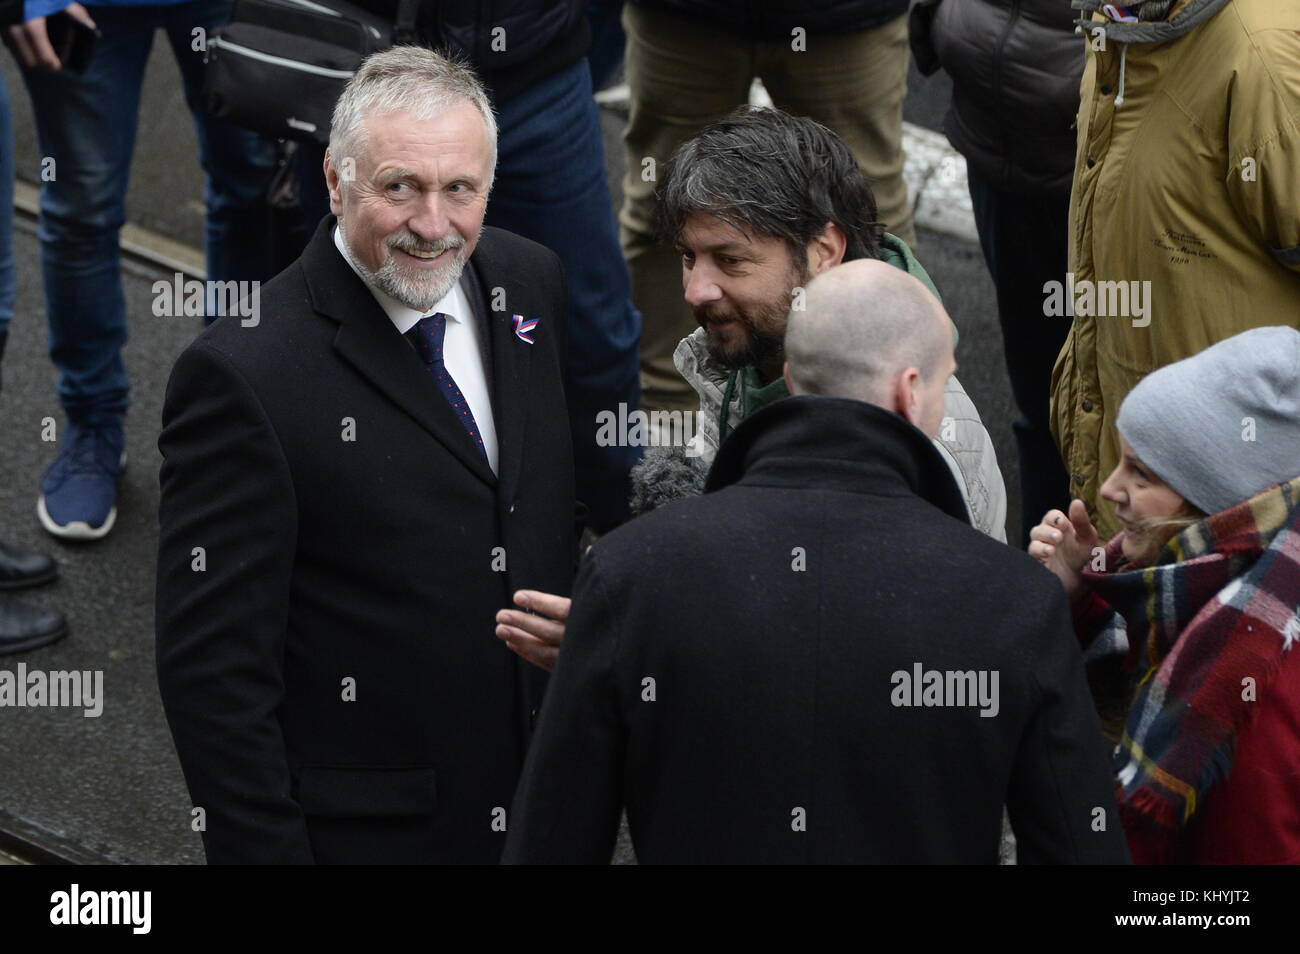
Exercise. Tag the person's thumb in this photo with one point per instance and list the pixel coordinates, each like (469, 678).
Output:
(1083, 527)
(81, 13)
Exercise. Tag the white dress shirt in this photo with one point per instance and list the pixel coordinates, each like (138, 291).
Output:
(461, 348)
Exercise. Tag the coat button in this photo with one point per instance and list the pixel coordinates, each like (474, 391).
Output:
(1087, 406)
(1078, 479)
(1091, 162)
(512, 508)
(1105, 90)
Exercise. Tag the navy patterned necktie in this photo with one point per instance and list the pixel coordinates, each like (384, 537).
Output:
(427, 336)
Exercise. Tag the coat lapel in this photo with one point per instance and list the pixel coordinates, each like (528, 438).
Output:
(368, 341)
(512, 357)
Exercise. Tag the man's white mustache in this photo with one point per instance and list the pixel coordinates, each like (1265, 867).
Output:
(416, 247)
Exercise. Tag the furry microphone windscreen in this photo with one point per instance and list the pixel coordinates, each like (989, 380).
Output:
(663, 475)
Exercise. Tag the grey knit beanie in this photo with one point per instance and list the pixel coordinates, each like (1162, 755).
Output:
(1224, 424)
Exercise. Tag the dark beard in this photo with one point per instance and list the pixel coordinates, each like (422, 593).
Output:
(758, 350)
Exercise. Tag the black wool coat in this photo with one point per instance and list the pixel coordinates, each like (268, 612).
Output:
(329, 667)
(728, 673)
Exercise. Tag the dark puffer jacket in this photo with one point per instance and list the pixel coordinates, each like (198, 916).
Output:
(774, 19)
(1015, 68)
(536, 37)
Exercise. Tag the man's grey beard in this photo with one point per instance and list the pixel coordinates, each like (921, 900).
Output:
(1150, 11)
(417, 294)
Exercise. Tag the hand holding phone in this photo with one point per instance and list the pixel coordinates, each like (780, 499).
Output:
(65, 40)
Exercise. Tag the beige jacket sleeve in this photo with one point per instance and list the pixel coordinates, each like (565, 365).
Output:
(968, 450)
(1263, 179)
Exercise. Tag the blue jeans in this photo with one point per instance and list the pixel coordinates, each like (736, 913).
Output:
(87, 125)
(607, 40)
(551, 187)
(8, 280)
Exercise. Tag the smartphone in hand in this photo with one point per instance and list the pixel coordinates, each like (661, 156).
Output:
(73, 41)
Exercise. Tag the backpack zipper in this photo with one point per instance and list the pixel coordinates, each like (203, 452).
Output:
(318, 8)
(241, 50)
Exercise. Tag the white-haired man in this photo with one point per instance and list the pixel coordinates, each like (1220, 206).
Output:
(344, 505)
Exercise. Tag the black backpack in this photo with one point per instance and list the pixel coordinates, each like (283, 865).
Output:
(279, 66)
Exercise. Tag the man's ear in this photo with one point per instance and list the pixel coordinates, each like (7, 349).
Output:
(827, 249)
(785, 373)
(907, 402)
(335, 185)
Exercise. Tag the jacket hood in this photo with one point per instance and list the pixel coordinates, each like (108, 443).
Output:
(894, 251)
(837, 444)
(1192, 15)
(897, 253)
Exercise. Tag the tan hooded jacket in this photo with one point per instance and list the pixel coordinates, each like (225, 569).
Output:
(1187, 178)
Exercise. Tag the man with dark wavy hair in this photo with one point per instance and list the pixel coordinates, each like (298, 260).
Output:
(690, 62)
(758, 205)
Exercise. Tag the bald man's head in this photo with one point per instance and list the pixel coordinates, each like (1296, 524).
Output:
(872, 332)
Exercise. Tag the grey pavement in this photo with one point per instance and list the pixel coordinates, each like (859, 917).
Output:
(111, 785)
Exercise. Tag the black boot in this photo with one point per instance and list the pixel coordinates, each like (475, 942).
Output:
(24, 627)
(19, 568)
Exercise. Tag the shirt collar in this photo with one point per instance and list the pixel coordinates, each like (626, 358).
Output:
(454, 304)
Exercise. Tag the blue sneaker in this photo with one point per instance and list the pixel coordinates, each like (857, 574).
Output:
(79, 490)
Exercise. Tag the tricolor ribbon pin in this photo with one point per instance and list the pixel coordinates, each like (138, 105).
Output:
(524, 327)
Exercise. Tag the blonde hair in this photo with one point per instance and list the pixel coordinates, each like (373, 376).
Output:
(1165, 529)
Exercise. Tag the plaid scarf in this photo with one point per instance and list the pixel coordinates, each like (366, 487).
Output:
(1208, 622)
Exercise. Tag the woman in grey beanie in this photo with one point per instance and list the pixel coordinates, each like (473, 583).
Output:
(1201, 590)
